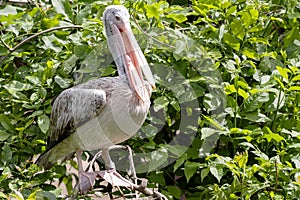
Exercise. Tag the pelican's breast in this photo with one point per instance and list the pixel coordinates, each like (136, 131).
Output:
(119, 120)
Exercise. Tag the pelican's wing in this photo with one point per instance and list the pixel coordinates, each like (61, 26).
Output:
(72, 108)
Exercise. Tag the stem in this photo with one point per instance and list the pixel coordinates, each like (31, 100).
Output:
(4, 44)
(277, 108)
(11, 50)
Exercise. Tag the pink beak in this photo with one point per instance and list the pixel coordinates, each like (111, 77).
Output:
(134, 60)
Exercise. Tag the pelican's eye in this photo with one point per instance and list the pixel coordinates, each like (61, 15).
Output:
(117, 18)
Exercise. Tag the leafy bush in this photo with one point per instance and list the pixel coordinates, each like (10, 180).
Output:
(225, 120)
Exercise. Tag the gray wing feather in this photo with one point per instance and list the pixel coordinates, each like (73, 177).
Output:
(72, 108)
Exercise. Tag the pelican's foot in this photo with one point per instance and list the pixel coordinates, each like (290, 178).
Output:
(86, 181)
(114, 178)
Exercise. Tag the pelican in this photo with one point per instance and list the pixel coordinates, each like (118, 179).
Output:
(105, 111)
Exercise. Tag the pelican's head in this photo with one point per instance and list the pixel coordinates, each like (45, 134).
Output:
(126, 52)
(117, 15)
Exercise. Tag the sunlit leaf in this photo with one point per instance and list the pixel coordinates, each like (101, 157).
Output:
(8, 10)
(294, 88)
(160, 103)
(63, 83)
(282, 72)
(229, 89)
(216, 172)
(237, 29)
(177, 17)
(243, 93)
(152, 11)
(273, 136)
(232, 41)
(63, 7)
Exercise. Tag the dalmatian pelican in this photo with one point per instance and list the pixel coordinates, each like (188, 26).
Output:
(105, 111)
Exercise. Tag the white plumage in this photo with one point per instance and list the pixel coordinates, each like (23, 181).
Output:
(105, 111)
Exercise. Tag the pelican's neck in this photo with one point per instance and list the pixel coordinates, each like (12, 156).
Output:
(121, 69)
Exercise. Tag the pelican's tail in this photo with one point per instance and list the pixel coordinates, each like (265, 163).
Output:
(60, 152)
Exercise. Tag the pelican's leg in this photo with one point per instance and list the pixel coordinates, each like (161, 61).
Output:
(131, 170)
(86, 179)
(115, 178)
(109, 164)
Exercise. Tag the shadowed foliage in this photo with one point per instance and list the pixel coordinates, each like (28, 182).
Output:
(237, 61)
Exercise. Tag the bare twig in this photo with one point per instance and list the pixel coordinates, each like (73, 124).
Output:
(148, 192)
(11, 50)
(276, 178)
(5, 45)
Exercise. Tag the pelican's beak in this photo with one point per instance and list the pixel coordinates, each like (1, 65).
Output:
(133, 59)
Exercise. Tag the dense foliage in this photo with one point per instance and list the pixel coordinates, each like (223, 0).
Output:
(225, 120)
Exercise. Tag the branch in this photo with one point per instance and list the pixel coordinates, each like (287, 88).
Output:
(146, 191)
(6, 46)
(156, 40)
(11, 50)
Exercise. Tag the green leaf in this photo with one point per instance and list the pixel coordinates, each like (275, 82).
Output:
(51, 43)
(190, 169)
(179, 162)
(217, 172)
(237, 29)
(161, 103)
(6, 123)
(177, 17)
(269, 135)
(296, 78)
(152, 10)
(294, 88)
(63, 83)
(157, 177)
(14, 86)
(283, 72)
(250, 53)
(243, 93)
(207, 132)
(273, 136)
(50, 23)
(256, 117)
(4, 135)
(158, 158)
(43, 122)
(8, 10)
(63, 7)
(177, 150)
(292, 35)
(294, 146)
(45, 195)
(33, 79)
(279, 82)
(231, 10)
(6, 153)
(204, 173)
(258, 40)
(241, 159)
(175, 191)
(229, 89)
(81, 51)
(211, 102)
(231, 41)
